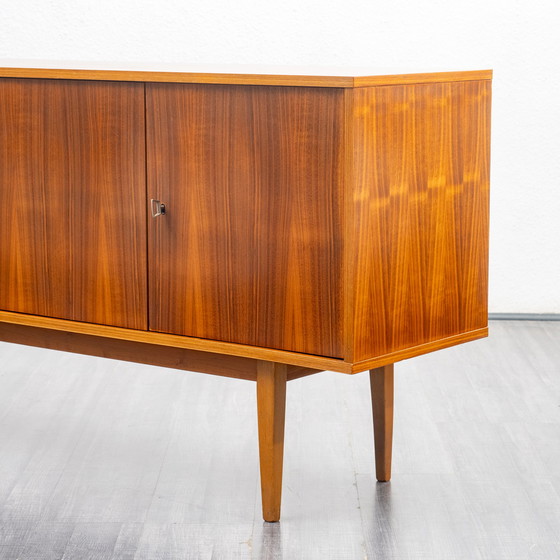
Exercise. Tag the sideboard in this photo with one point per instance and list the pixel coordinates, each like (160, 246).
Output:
(258, 225)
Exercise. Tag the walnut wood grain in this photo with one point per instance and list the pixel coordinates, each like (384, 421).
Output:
(250, 248)
(271, 407)
(406, 262)
(307, 228)
(238, 75)
(419, 259)
(382, 388)
(72, 191)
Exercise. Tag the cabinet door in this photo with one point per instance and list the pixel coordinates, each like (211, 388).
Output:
(249, 250)
(72, 200)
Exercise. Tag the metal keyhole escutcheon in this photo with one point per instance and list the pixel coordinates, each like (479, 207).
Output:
(158, 208)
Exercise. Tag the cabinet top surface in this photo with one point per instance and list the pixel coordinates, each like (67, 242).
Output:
(240, 74)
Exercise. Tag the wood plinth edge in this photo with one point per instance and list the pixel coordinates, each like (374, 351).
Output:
(184, 353)
(413, 351)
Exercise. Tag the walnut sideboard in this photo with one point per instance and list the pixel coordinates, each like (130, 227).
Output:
(261, 226)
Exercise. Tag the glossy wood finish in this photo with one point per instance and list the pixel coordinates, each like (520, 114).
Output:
(382, 389)
(250, 250)
(412, 351)
(306, 228)
(237, 367)
(317, 76)
(161, 339)
(302, 360)
(399, 79)
(271, 407)
(370, 254)
(72, 201)
(418, 266)
(139, 352)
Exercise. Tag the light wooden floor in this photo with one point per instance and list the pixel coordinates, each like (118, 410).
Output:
(108, 460)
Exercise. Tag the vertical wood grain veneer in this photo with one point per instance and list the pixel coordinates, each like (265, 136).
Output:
(420, 173)
(271, 406)
(382, 389)
(253, 231)
(72, 192)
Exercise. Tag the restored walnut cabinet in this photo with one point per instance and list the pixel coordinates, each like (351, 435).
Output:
(262, 226)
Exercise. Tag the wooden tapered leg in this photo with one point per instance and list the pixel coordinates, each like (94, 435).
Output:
(271, 407)
(381, 381)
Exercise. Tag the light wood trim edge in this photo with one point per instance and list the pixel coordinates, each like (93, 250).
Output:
(349, 241)
(425, 78)
(244, 79)
(319, 363)
(128, 351)
(413, 351)
(140, 352)
(163, 339)
(178, 77)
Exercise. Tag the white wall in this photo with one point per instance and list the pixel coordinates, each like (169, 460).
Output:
(517, 38)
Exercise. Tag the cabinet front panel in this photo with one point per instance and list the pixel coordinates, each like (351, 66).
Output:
(72, 206)
(249, 250)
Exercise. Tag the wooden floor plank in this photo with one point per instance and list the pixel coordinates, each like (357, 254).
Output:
(47, 541)
(92, 541)
(104, 459)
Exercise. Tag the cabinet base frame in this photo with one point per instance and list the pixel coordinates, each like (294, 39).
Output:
(271, 379)
(302, 362)
(224, 365)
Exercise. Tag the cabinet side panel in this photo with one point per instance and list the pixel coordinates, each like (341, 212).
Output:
(250, 248)
(72, 212)
(421, 169)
